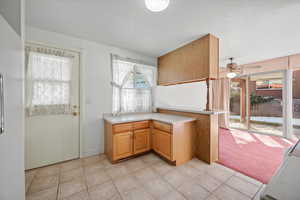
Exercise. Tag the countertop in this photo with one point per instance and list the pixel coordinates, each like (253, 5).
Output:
(166, 118)
(204, 112)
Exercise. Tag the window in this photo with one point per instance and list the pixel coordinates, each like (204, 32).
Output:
(48, 83)
(275, 84)
(132, 86)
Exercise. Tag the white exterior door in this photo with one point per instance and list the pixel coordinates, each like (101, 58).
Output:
(53, 138)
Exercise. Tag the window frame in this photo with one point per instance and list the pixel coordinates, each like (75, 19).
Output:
(121, 87)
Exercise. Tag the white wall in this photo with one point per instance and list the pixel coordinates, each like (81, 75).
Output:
(96, 79)
(11, 12)
(189, 96)
(12, 141)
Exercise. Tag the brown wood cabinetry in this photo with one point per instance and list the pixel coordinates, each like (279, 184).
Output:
(206, 138)
(126, 139)
(162, 143)
(123, 145)
(162, 126)
(141, 125)
(141, 141)
(173, 142)
(196, 61)
(119, 128)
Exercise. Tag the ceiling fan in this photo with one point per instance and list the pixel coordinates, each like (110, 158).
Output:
(233, 69)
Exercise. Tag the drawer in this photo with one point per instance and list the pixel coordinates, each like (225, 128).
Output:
(141, 125)
(162, 126)
(122, 127)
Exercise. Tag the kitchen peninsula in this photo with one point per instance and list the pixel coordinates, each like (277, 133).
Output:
(170, 136)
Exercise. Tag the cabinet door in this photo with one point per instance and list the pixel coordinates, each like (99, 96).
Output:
(162, 143)
(155, 140)
(141, 141)
(123, 145)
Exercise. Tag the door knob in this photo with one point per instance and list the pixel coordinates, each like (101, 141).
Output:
(75, 113)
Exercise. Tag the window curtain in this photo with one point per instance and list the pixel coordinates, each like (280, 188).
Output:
(132, 83)
(48, 81)
(220, 96)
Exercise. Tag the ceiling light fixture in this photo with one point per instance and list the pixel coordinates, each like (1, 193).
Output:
(232, 68)
(157, 5)
(231, 74)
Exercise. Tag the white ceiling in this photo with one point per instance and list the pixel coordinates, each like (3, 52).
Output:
(250, 30)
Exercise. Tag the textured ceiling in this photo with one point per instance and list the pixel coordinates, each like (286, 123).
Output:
(248, 30)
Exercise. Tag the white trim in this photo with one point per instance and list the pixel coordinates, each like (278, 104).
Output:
(82, 100)
(54, 46)
(287, 106)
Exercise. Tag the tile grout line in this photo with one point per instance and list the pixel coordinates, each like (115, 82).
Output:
(222, 183)
(58, 185)
(248, 181)
(161, 176)
(258, 191)
(85, 180)
(116, 188)
(175, 187)
(142, 184)
(239, 190)
(30, 182)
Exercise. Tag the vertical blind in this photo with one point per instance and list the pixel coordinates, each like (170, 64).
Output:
(132, 84)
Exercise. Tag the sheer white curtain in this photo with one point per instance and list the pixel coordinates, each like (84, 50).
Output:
(48, 83)
(221, 99)
(132, 85)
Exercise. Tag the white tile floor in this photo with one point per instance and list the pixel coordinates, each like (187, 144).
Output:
(144, 178)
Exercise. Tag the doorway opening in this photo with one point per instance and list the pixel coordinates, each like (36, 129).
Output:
(256, 103)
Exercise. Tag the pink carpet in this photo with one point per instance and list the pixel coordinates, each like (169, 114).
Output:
(255, 155)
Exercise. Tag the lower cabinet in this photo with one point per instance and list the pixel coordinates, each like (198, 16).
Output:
(127, 139)
(122, 145)
(141, 141)
(129, 143)
(162, 143)
(173, 142)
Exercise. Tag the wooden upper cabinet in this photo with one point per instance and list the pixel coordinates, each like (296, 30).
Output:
(196, 61)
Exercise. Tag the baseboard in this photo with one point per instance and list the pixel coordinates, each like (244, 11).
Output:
(91, 152)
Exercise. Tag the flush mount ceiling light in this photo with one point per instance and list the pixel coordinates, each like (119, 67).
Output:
(157, 5)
